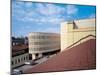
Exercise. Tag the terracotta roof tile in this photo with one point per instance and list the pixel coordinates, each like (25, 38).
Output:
(19, 47)
(82, 56)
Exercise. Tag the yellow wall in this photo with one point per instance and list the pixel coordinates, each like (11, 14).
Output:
(70, 35)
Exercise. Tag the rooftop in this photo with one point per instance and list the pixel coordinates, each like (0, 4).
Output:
(82, 56)
(19, 47)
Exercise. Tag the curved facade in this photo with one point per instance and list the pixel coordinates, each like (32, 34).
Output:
(41, 43)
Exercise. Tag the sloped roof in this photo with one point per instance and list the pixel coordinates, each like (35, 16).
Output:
(80, 57)
(19, 47)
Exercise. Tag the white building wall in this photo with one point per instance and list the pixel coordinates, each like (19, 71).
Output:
(22, 58)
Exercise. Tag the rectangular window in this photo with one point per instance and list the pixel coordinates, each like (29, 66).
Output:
(18, 60)
(24, 58)
(12, 63)
(15, 61)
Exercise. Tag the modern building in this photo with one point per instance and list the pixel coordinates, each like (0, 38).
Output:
(73, 31)
(42, 44)
(20, 55)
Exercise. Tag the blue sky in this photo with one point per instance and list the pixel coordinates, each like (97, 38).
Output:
(45, 17)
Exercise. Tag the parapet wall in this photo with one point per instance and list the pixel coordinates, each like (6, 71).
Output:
(73, 31)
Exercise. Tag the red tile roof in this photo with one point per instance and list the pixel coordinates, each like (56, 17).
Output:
(82, 56)
(19, 47)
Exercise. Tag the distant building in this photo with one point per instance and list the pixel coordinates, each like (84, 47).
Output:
(42, 44)
(26, 40)
(73, 31)
(19, 41)
(19, 55)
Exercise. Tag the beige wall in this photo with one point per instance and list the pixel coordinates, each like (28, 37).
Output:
(40, 42)
(72, 32)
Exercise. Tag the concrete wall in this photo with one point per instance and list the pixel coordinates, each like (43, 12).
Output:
(73, 31)
(40, 42)
(19, 60)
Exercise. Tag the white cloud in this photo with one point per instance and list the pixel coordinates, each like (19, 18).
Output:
(49, 12)
(28, 4)
(48, 9)
(52, 29)
(71, 9)
(17, 4)
(43, 13)
(56, 20)
(17, 9)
